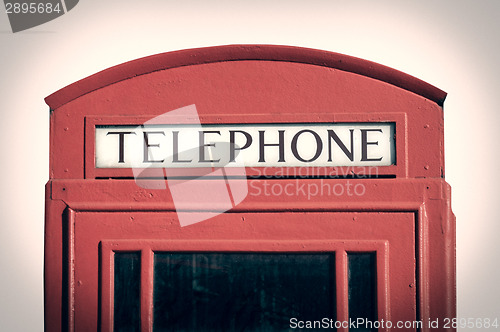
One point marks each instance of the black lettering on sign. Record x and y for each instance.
(147, 146)
(280, 145)
(333, 135)
(233, 148)
(175, 142)
(365, 143)
(202, 146)
(121, 143)
(319, 146)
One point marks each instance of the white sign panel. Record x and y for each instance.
(250, 145)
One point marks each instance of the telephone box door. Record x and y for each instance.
(243, 271)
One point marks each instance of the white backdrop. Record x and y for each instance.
(451, 44)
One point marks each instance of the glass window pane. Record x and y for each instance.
(127, 300)
(241, 291)
(362, 287)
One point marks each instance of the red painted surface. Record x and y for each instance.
(407, 217)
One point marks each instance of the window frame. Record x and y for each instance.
(339, 248)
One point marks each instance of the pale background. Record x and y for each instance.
(451, 44)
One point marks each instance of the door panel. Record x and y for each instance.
(364, 261)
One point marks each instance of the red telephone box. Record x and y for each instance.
(248, 188)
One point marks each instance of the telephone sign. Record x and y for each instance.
(343, 144)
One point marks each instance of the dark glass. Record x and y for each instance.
(362, 273)
(241, 291)
(127, 307)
